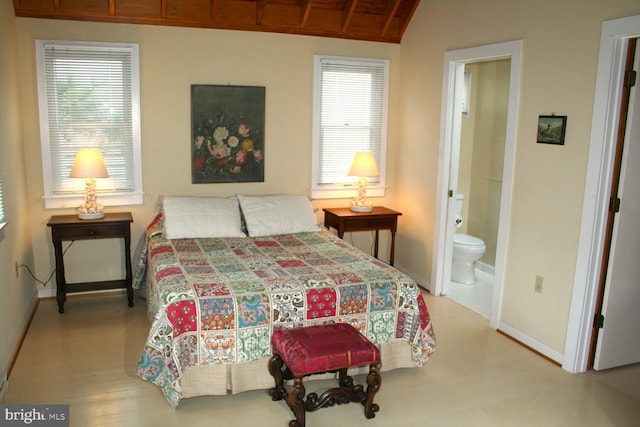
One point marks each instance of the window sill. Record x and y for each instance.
(73, 201)
(348, 192)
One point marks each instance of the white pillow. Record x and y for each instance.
(277, 214)
(194, 217)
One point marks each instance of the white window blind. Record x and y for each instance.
(89, 97)
(350, 113)
(3, 218)
(466, 94)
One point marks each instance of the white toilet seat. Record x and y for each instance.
(467, 241)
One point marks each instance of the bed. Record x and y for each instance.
(221, 274)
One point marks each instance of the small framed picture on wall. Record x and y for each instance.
(551, 129)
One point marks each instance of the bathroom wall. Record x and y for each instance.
(482, 152)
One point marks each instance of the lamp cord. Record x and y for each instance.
(373, 237)
(26, 267)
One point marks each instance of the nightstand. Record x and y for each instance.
(69, 227)
(345, 220)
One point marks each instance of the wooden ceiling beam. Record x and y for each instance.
(389, 14)
(260, 5)
(213, 14)
(305, 10)
(347, 14)
(163, 8)
(409, 10)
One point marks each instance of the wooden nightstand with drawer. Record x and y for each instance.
(344, 220)
(70, 228)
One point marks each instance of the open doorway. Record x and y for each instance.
(455, 63)
(480, 166)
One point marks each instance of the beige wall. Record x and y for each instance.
(558, 74)
(17, 295)
(172, 59)
(560, 48)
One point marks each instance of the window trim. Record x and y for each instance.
(347, 190)
(52, 200)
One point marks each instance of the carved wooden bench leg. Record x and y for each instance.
(295, 400)
(374, 381)
(275, 369)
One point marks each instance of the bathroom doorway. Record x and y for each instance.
(487, 210)
(480, 168)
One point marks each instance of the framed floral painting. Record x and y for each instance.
(227, 125)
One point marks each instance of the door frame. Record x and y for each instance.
(453, 69)
(598, 181)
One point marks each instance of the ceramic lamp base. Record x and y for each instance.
(96, 215)
(361, 208)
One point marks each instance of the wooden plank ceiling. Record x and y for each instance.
(373, 20)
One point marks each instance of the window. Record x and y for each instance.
(349, 115)
(89, 96)
(466, 94)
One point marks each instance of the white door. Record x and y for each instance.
(619, 339)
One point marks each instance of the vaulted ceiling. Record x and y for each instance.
(374, 20)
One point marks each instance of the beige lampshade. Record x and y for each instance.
(364, 164)
(89, 164)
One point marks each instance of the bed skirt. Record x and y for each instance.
(209, 380)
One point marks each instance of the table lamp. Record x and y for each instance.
(89, 165)
(363, 166)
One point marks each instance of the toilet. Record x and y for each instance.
(466, 251)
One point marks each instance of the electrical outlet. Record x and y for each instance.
(538, 285)
(17, 269)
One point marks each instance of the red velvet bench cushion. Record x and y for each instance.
(323, 348)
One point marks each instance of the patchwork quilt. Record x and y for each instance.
(218, 300)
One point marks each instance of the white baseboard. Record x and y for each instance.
(506, 329)
(46, 293)
(530, 342)
(51, 293)
(421, 281)
(485, 267)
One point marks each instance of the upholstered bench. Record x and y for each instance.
(318, 349)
